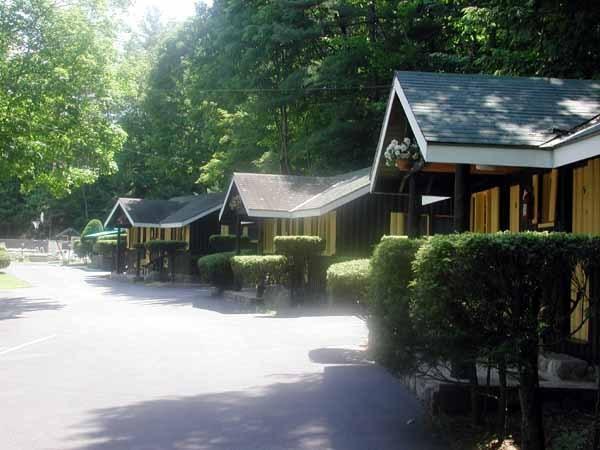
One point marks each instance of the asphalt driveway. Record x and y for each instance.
(89, 363)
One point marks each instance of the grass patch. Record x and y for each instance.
(9, 282)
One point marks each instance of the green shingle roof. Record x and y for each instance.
(174, 212)
(484, 109)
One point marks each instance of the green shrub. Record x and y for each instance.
(389, 297)
(349, 281)
(79, 249)
(216, 269)
(299, 245)
(166, 245)
(226, 243)
(4, 259)
(258, 270)
(93, 226)
(495, 298)
(87, 244)
(105, 247)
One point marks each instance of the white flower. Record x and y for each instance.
(406, 140)
(403, 147)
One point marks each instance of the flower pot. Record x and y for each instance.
(403, 165)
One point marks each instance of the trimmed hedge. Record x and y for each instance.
(389, 298)
(93, 226)
(299, 245)
(4, 259)
(258, 270)
(105, 247)
(349, 281)
(216, 269)
(166, 245)
(78, 248)
(226, 243)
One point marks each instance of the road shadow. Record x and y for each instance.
(345, 407)
(316, 310)
(196, 297)
(17, 307)
(339, 356)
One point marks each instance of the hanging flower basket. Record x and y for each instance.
(403, 164)
(402, 154)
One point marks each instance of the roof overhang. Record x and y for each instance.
(133, 223)
(295, 213)
(112, 213)
(554, 154)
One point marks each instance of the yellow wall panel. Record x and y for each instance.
(515, 210)
(586, 198)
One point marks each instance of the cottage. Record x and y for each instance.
(340, 209)
(513, 153)
(192, 219)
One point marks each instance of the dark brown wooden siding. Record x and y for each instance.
(362, 222)
(201, 230)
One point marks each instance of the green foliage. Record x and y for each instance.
(226, 243)
(4, 259)
(216, 269)
(56, 93)
(258, 270)
(268, 87)
(349, 281)
(78, 248)
(299, 246)
(92, 227)
(389, 299)
(497, 297)
(166, 245)
(105, 247)
(87, 244)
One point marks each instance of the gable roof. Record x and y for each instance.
(291, 196)
(172, 213)
(491, 120)
(495, 110)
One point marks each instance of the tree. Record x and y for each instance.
(56, 125)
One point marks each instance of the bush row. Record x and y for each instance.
(4, 259)
(468, 298)
(259, 270)
(349, 281)
(216, 269)
(165, 245)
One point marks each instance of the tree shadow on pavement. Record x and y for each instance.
(166, 295)
(16, 307)
(345, 407)
(339, 356)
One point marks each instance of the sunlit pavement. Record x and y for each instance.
(90, 363)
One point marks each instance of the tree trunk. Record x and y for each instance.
(502, 400)
(284, 162)
(532, 426)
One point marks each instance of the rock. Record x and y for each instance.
(563, 367)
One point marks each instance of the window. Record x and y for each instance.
(544, 198)
(224, 230)
(485, 211)
(580, 305)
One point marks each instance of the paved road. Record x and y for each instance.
(91, 364)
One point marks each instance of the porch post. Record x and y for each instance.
(237, 234)
(118, 269)
(413, 207)
(461, 203)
